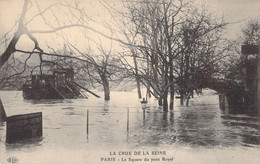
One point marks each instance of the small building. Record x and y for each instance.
(58, 85)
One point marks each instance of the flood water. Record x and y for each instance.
(200, 133)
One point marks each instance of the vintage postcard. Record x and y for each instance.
(129, 81)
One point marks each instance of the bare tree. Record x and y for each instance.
(152, 28)
(55, 18)
(199, 60)
(175, 41)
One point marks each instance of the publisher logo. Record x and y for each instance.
(12, 159)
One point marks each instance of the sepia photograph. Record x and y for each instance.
(129, 81)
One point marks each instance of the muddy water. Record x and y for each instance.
(199, 133)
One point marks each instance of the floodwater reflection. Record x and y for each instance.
(65, 122)
(197, 126)
(26, 145)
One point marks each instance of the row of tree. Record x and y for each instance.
(174, 47)
(167, 46)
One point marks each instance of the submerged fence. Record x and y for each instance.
(129, 119)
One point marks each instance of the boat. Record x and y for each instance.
(59, 84)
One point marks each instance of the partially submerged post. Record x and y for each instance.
(2, 112)
(144, 116)
(87, 122)
(127, 120)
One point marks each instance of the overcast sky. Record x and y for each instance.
(233, 10)
(236, 11)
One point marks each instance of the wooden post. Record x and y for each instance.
(127, 119)
(87, 122)
(143, 117)
(143, 114)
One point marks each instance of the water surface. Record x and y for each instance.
(198, 133)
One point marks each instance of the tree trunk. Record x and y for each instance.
(187, 101)
(136, 67)
(138, 85)
(107, 93)
(148, 91)
(171, 99)
(165, 102)
(11, 47)
(172, 86)
(155, 61)
(106, 89)
(181, 99)
(160, 101)
(168, 37)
